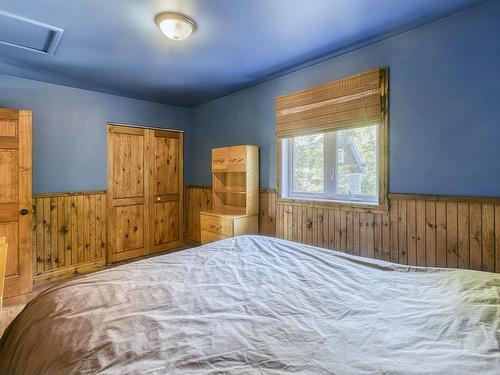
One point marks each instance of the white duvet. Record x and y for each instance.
(259, 305)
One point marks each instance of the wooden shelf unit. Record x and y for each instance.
(235, 193)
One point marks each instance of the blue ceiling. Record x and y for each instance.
(114, 46)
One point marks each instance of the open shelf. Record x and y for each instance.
(235, 179)
(235, 194)
(229, 191)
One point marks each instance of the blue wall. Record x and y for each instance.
(444, 107)
(444, 115)
(69, 130)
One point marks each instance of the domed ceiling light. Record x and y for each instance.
(175, 26)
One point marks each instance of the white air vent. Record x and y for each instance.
(30, 35)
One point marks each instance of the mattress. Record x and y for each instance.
(254, 305)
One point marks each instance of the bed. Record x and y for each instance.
(256, 304)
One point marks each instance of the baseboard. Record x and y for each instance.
(69, 272)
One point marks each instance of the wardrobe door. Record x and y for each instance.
(16, 199)
(128, 192)
(167, 182)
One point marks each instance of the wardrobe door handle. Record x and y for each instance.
(23, 212)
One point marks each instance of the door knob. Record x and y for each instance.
(24, 211)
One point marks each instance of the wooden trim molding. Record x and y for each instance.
(3, 264)
(69, 271)
(90, 192)
(337, 205)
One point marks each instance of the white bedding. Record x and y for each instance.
(261, 305)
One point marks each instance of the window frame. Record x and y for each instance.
(330, 171)
(290, 170)
(382, 206)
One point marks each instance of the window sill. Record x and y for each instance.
(338, 205)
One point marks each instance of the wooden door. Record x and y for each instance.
(167, 187)
(128, 192)
(145, 191)
(15, 199)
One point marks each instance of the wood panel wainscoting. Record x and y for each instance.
(199, 198)
(69, 234)
(69, 230)
(435, 231)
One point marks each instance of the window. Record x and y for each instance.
(332, 141)
(339, 165)
(307, 166)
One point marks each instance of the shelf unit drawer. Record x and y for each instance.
(207, 237)
(217, 225)
(219, 159)
(236, 158)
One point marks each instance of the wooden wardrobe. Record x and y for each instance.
(145, 191)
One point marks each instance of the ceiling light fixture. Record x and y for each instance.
(175, 26)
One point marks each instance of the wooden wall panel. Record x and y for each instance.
(442, 232)
(198, 199)
(69, 234)
(69, 230)
(457, 232)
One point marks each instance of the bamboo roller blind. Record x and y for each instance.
(349, 102)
